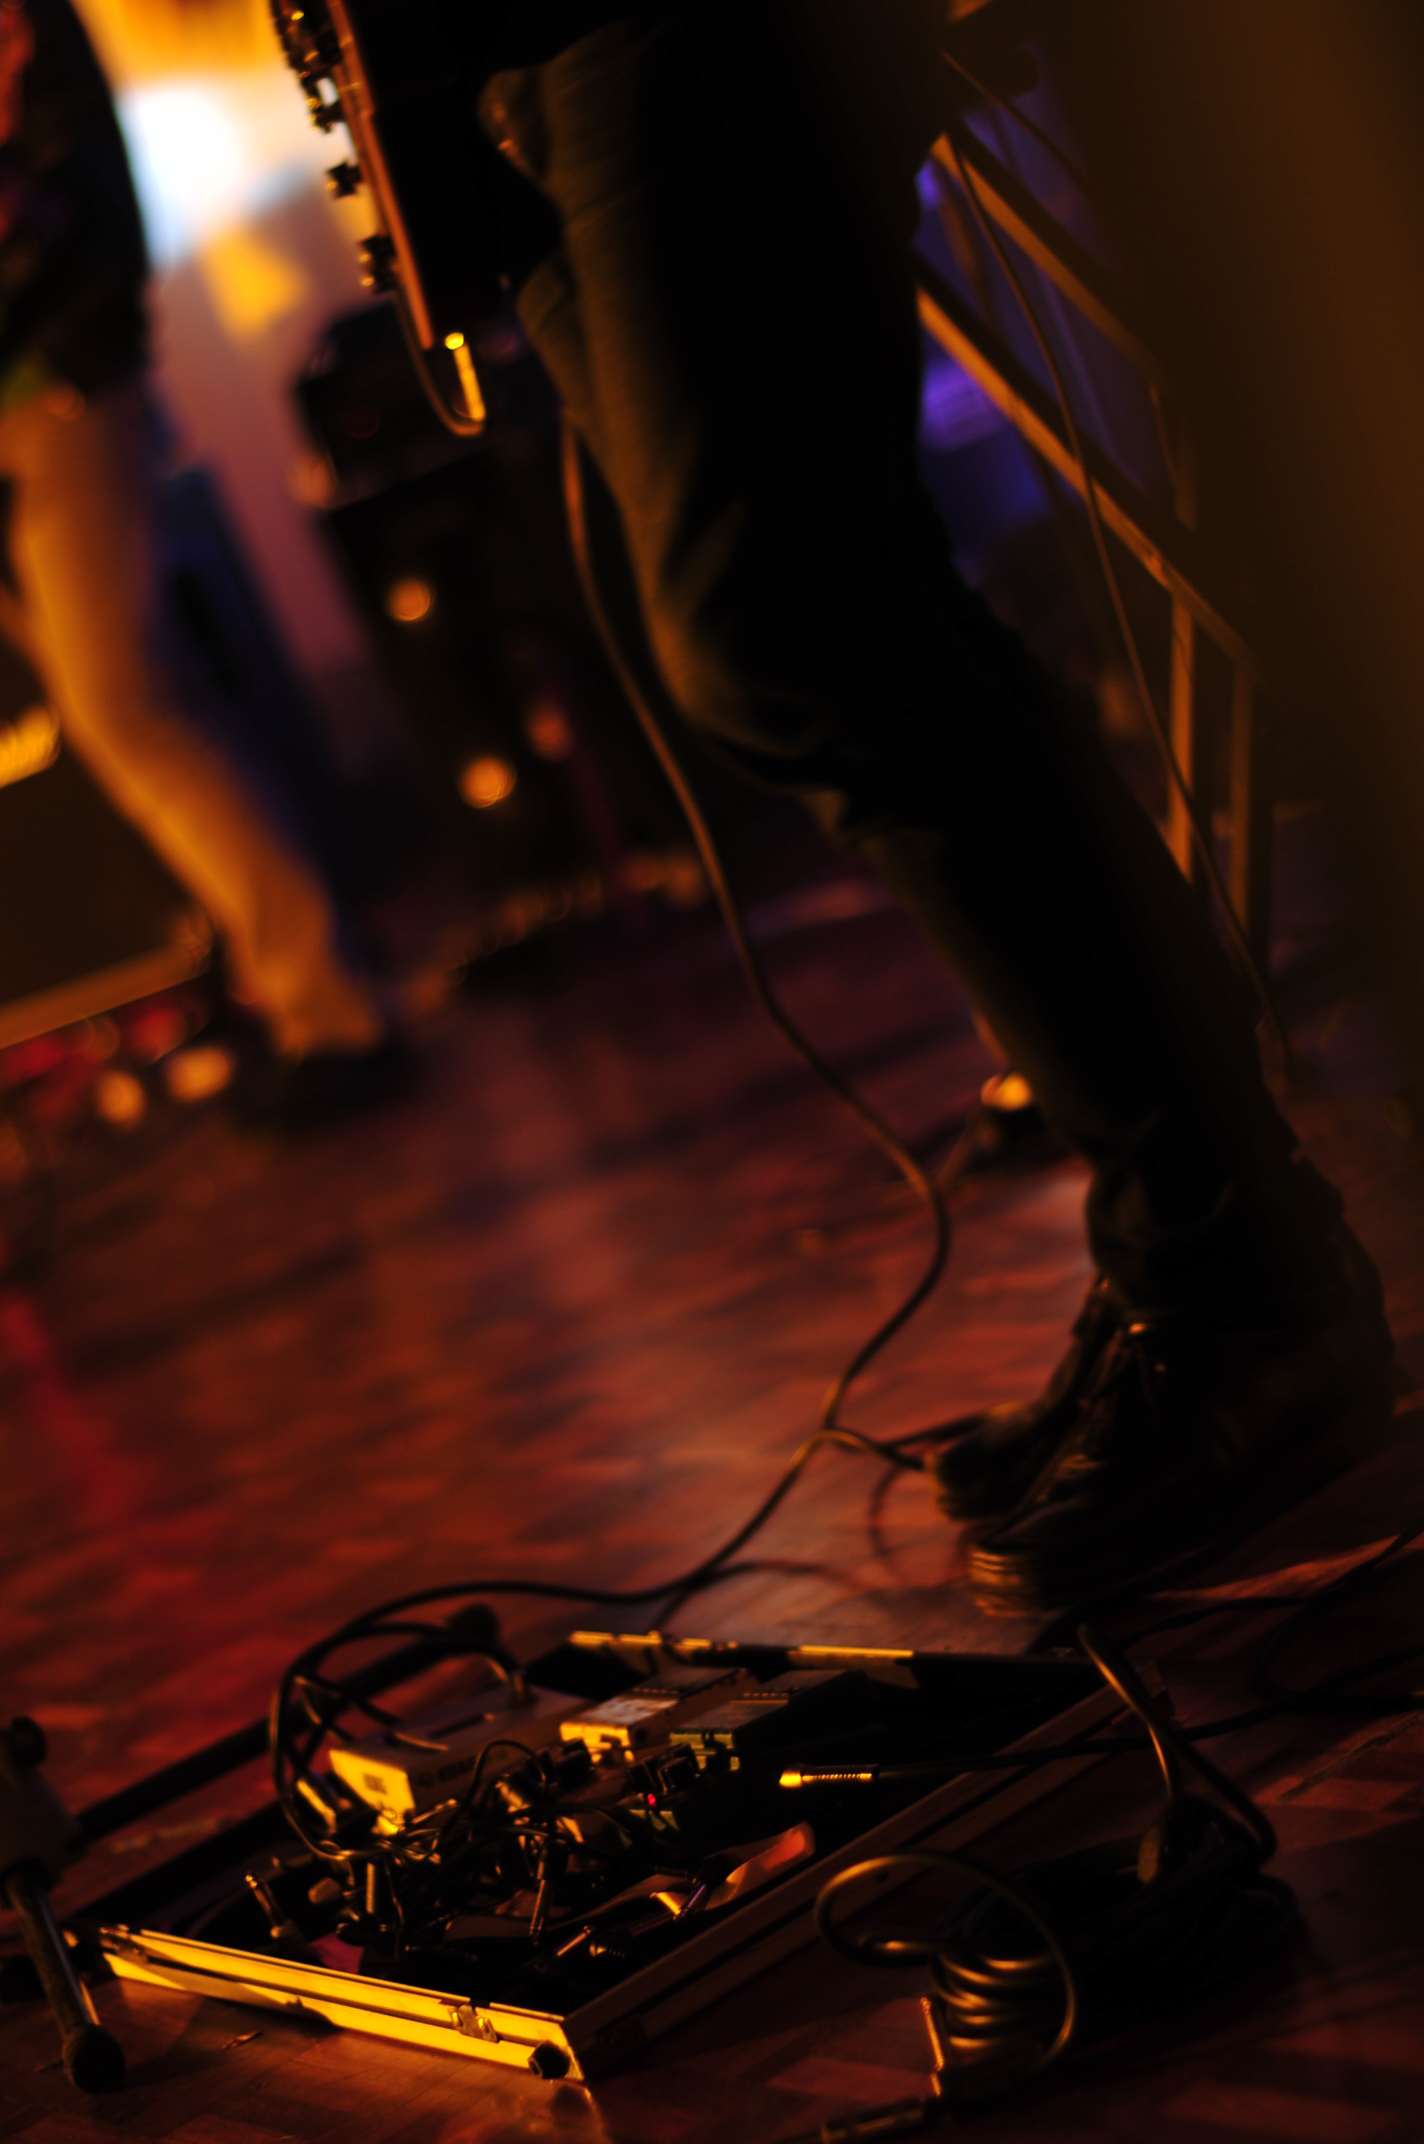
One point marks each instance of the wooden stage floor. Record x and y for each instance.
(564, 1313)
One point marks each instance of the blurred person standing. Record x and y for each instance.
(75, 450)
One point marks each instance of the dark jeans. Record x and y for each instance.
(729, 317)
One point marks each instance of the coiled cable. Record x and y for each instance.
(1090, 1942)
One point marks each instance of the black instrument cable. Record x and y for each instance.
(308, 1701)
(1026, 1965)
(304, 1695)
(1081, 1946)
(829, 1429)
(1072, 1949)
(1095, 1942)
(292, 1764)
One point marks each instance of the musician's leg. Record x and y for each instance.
(731, 320)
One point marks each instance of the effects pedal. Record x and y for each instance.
(432, 1760)
(651, 1711)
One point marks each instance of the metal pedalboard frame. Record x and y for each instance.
(742, 1942)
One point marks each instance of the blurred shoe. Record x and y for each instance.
(294, 1095)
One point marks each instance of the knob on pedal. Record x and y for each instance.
(343, 179)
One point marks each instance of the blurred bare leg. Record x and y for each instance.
(83, 555)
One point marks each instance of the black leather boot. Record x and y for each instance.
(1183, 1437)
(995, 1458)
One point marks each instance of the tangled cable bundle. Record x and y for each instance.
(501, 1832)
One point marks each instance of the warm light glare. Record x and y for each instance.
(214, 149)
(1007, 1090)
(548, 730)
(119, 1098)
(28, 745)
(252, 283)
(194, 1074)
(410, 600)
(487, 781)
